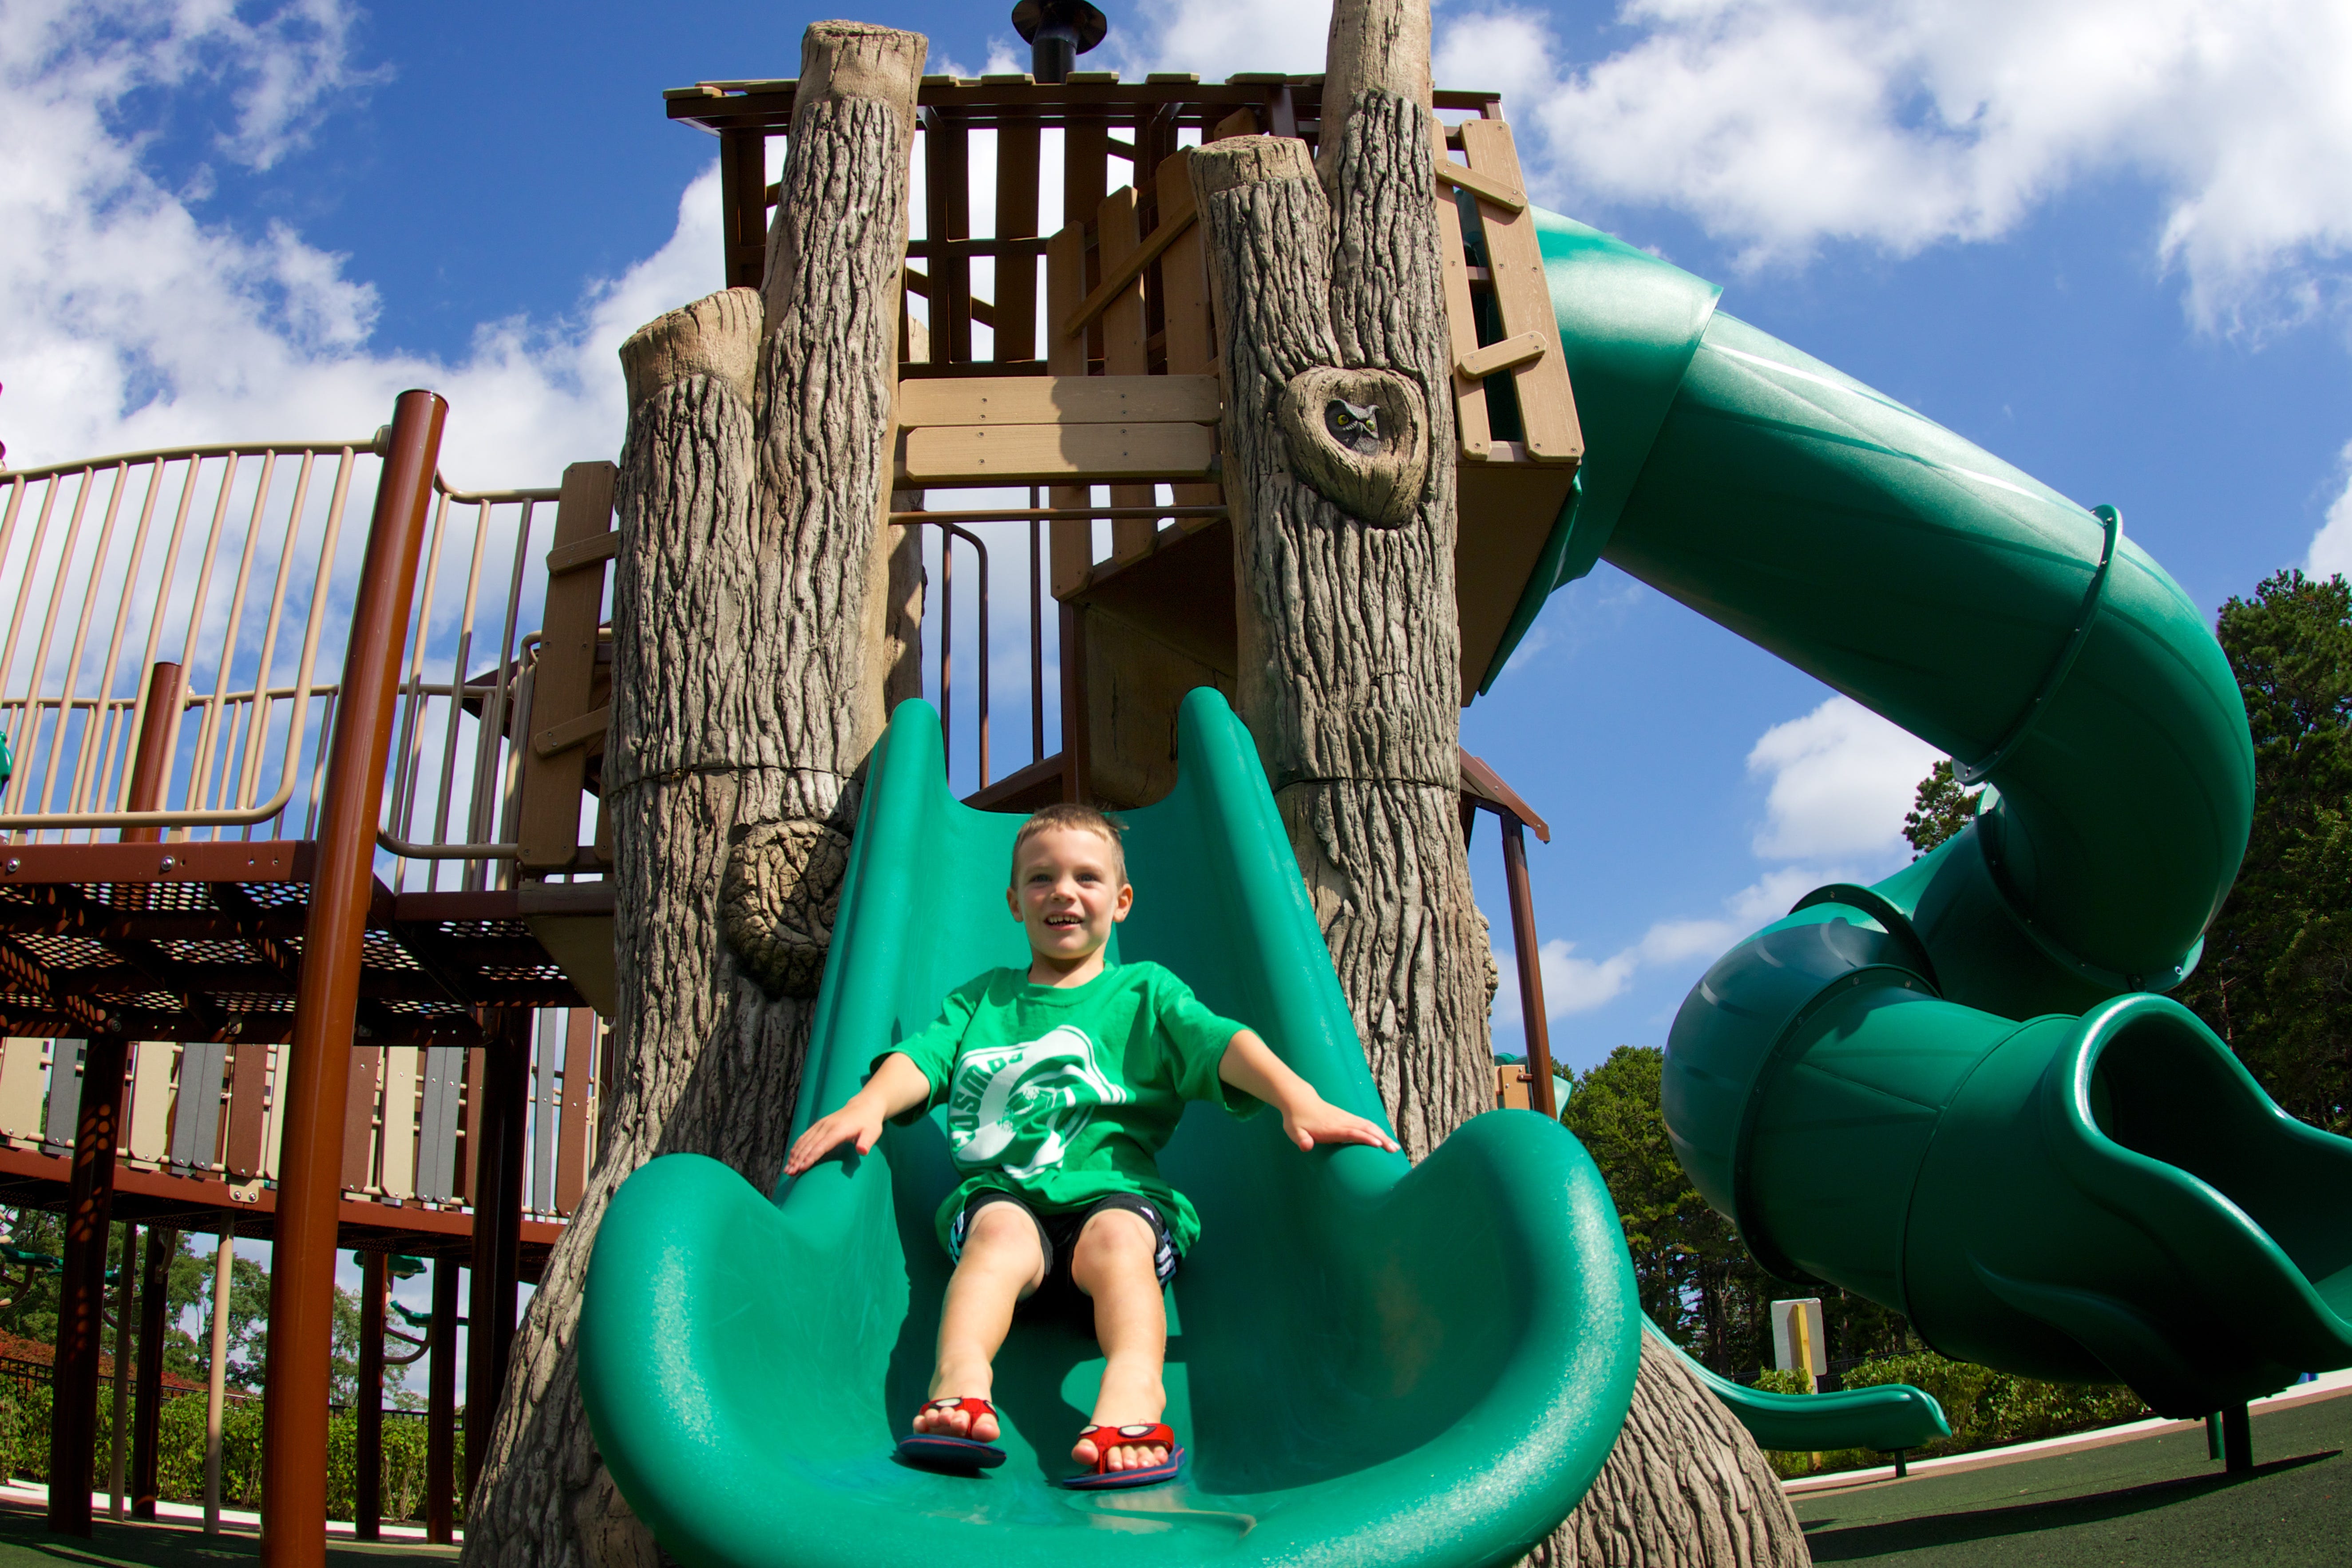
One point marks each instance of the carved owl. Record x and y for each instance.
(1353, 424)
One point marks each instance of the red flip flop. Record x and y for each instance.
(943, 1451)
(1145, 1433)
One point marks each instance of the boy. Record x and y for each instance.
(1062, 1082)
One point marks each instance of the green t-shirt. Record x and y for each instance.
(1065, 1095)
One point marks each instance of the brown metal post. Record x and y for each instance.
(98, 1125)
(367, 1481)
(154, 1285)
(317, 1074)
(498, 1228)
(82, 1292)
(1523, 939)
(1078, 742)
(441, 1409)
(151, 767)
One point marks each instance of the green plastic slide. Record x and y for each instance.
(1887, 1416)
(1955, 1092)
(1368, 1363)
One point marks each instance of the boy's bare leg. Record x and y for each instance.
(1115, 1263)
(1002, 1263)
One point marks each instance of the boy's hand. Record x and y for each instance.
(898, 1085)
(854, 1122)
(1320, 1121)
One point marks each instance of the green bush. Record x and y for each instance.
(180, 1453)
(1986, 1409)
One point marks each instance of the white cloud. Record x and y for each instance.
(1218, 38)
(126, 321)
(1842, 778)
(2331, 547)
(1781, 124)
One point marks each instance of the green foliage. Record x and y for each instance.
(2277, 976)
(1940, 808)
(1694, 1274)
(180, 1452)
(1772, 1380)
(1987, 1409)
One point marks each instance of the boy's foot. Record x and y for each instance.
(1139, 1454)
(1123, 1456)
(951, 1416)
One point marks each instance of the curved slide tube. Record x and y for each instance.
(1890, 1416)
(1954, 1092)
(1370, 1364)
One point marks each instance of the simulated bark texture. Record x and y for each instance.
(752, 613)
(1348, 650)
(1684, 1488)
(1350, 647)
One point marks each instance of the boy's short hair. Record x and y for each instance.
(1070, 813)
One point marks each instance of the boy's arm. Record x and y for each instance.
(898, 1085)
(1251, 1066)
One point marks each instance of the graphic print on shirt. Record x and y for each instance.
(1017, 1107)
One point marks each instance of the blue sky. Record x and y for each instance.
(2106, 241)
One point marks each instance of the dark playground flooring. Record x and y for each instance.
(2153, 1501)
(25, 1543)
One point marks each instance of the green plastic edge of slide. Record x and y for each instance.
(1505, 1482)
(1888, 1416)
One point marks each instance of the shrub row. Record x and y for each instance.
(1987, 1409)
(180, 1453)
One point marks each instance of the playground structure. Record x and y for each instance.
(312, 1033)
(1819, 1081)
(167, 683)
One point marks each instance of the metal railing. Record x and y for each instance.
(235, 562)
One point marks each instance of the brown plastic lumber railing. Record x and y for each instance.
(302, 1262)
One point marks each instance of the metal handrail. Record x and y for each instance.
(191, 565)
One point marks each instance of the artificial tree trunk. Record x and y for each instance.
(1340, 448)
(751, 631)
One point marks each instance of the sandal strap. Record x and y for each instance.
(1135, 1435)
(970, 1406)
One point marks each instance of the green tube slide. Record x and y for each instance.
(1957, 1092)
(1370, 1364)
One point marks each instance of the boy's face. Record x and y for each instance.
(1068, 893)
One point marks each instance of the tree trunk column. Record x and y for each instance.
(751, 619)
(1344, 535)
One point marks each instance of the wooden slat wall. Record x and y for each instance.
(572, 1156)
(1190, 345)
(359, 1119)
(1523, 298)
(248, 1088)
(1066, 284)
(197, 1105)
(64, 1093)
(947, 215)
(547, 1051)
(1119, 235)
(24, 1081)
(397, 1135)
(563, 683)
(436, 1140)
(1016, 289)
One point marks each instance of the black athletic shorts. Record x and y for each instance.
(1058, 1234)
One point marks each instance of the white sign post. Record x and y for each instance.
(1799, 1341)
